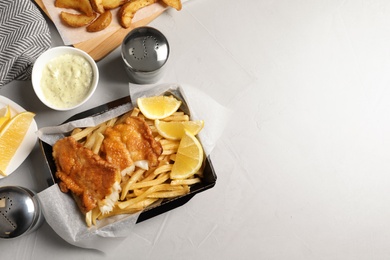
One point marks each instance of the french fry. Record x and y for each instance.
(92, 137)
(112, 4)
(95, 215)
(128, 10)
(102, 22)
(76, 20)
(170, 145)
(112, 121)
(130, 210)
(169, 194)
(83, 6)
(88, 218)
(98, 143)
(136, 193)
(122, 118)
(173, 3)
(149, 175)
(186, 181)
(133, 179)
(176, 118)
(135, 112)
(169, 152)
(161, 179)
(163, 168)
(97, 6)
(83, 133)
(131, 202)
(76, 130)
(90, 140)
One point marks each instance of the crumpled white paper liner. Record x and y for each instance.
(61, 211)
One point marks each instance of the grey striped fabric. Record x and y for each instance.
(24, 35)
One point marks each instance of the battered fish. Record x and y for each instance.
(129, 142)
(92, 180)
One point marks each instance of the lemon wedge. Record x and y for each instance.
(189, 157)
(174, 130)
(5, 115)
(11, 136)
(158, 107)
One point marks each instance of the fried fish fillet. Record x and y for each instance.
(129, 142)
(92, 180)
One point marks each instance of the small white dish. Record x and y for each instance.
(28, 142)
(49, 55)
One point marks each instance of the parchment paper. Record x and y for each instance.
(76, 35)
(60, 210)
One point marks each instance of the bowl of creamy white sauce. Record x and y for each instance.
(64, 77)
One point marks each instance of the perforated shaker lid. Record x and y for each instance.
(18, 211)
(145, 49)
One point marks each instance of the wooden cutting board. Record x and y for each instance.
(101, 46)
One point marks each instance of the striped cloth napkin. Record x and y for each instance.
(24, 35)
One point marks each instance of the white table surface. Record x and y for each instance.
(304, 164)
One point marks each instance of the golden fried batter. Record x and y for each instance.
(129, 142)
(89, 177)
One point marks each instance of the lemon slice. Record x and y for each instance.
(11, 136)
(175, 130)
(189, 157)
(5, 115)
(5, 111)
(158, 107)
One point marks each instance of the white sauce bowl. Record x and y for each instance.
(48, 56)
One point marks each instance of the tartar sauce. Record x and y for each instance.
(66, 80)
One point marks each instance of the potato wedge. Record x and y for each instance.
(97, 6)
(102, 22)
(83, 6)
(76, 20)
(127, 11)
(112, 4)
(173, 3)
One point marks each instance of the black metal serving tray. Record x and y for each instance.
(208, 181)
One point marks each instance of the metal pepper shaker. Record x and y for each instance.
(20, 212)
(145, 50)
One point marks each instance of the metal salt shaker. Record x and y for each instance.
(20, 212)
(145, 50)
